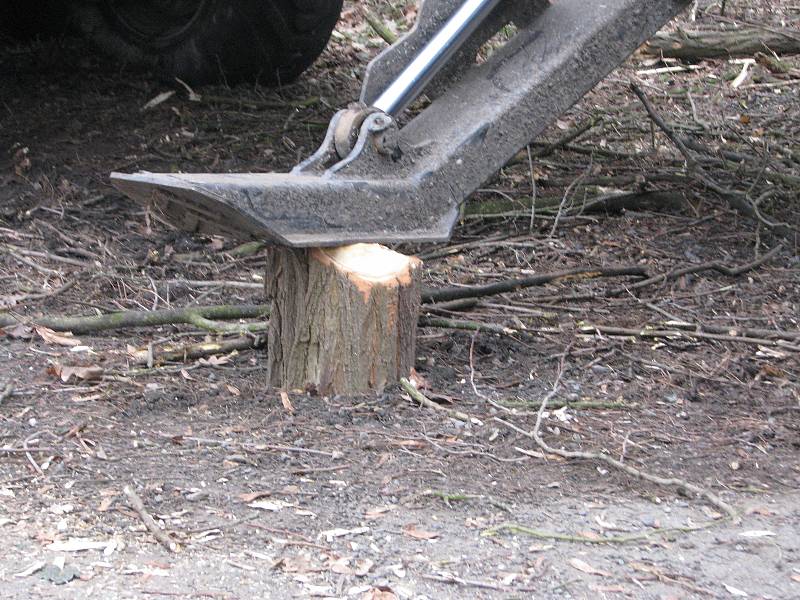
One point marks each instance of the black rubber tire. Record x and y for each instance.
(26, 20)
(212, 41)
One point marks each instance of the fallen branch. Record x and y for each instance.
(573, 404)
(585, 539)
(136, 504)
(696, 45)
(451, 307)
(380, 28)
(198, 316)
(609, 203)
(465, 325)
(486, 585)
(206, 317)
(514, 285)
(713, 265)
(200, 350)
(777, 334)
(673, 482)
(676, 333)
(425, 401)
(250, 447)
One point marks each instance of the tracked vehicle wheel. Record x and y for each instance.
(212, 41)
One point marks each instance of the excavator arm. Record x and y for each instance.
(375, 181)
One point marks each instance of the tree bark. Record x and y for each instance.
(343, 320)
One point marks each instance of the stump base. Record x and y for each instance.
(343, 320)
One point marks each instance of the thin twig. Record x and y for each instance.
(676, 333)
(669, 276)
(152, 356)
(133, 318)
(425, 401)
(585, 539)
(136, 504)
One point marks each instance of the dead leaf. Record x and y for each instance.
(735, 591)
(409, 443)
(363, 566)
(253, 496)
(611, 589)
(760, 510)
(418, 381)
(214, 360)
(37, 566)
(18, 332)
(233, 389)
(795, 578)
(295, 564)
(587, 533)
(379, 594)
(287, 404)
(270, 505)
(645, 568)
(603, 523)
(771, 371)
(67, 374)
(51, 337)
(584, 567)
(330, 534)
(418, 534)
(377, 512)
(341, 566)
(106, 503)
(711, 513)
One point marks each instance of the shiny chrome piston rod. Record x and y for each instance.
(434, 55)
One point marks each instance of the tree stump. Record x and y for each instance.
(343, 320)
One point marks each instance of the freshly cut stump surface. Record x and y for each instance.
(343, 320)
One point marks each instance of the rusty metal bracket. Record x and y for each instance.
(407, 184)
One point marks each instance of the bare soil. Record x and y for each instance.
(374, 497)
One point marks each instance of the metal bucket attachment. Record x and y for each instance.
(372, 181)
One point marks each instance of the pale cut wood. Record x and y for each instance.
(343, 320)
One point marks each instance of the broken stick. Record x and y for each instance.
(136, 504)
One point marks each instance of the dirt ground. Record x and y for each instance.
(374, 497)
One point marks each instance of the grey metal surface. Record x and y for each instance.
(440, 48)
(433, 14)
(469, 131)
